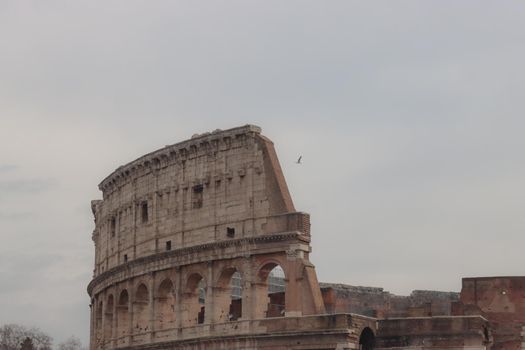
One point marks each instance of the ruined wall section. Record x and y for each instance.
(210, 188)
(376, 302)
(442, 332)
(502, 301)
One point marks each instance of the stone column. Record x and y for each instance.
(248, 296)
(178, 297)
(117, 234)
(92, 326)
(293, 296)
(154, 212)
(221, 304)
(102, 320)
(131, 297)
(259, 292)
(114, 333)
(151, 289)
(209, 302)
(134, 226)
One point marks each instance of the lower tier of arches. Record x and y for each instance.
(159, 304)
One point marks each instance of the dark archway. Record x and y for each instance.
(367, 339)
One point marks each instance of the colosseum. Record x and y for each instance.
(198, 246)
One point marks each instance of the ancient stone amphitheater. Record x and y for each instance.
(198, 246)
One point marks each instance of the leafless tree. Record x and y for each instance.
(27, 344)
(13, 335)
(72, 343)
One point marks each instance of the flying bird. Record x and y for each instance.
(299, 160)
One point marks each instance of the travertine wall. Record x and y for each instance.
(173, 228)
(189, 194)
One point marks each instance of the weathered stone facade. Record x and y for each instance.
(375, 302)
(180, 228)
(502, 301)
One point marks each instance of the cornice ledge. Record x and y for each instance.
(154, 157)
(284, 236)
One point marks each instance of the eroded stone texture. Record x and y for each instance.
(173, 228)
(188, 240)
(502, 301)
(376, 302)
(433, 333)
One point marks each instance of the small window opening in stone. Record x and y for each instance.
(144, 212)
(197, 196)
(113, 226)
(200, 316)
(168, 245)
(125, 257)
(230, 232)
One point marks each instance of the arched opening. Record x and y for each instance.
(123, 314)
(165, 306)
(236, 297)
(367, 339)
(108, 322)
(141, 310)
(271, 291)
(228, 296)
(194, 301)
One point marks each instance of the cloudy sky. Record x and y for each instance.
(409, 116)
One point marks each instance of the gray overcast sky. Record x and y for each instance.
(408, 114)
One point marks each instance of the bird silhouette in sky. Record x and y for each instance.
(299, 160)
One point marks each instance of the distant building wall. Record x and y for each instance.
(434, 333)
(378, 303)
(502, 301)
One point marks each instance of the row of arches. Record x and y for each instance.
(141, 309)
